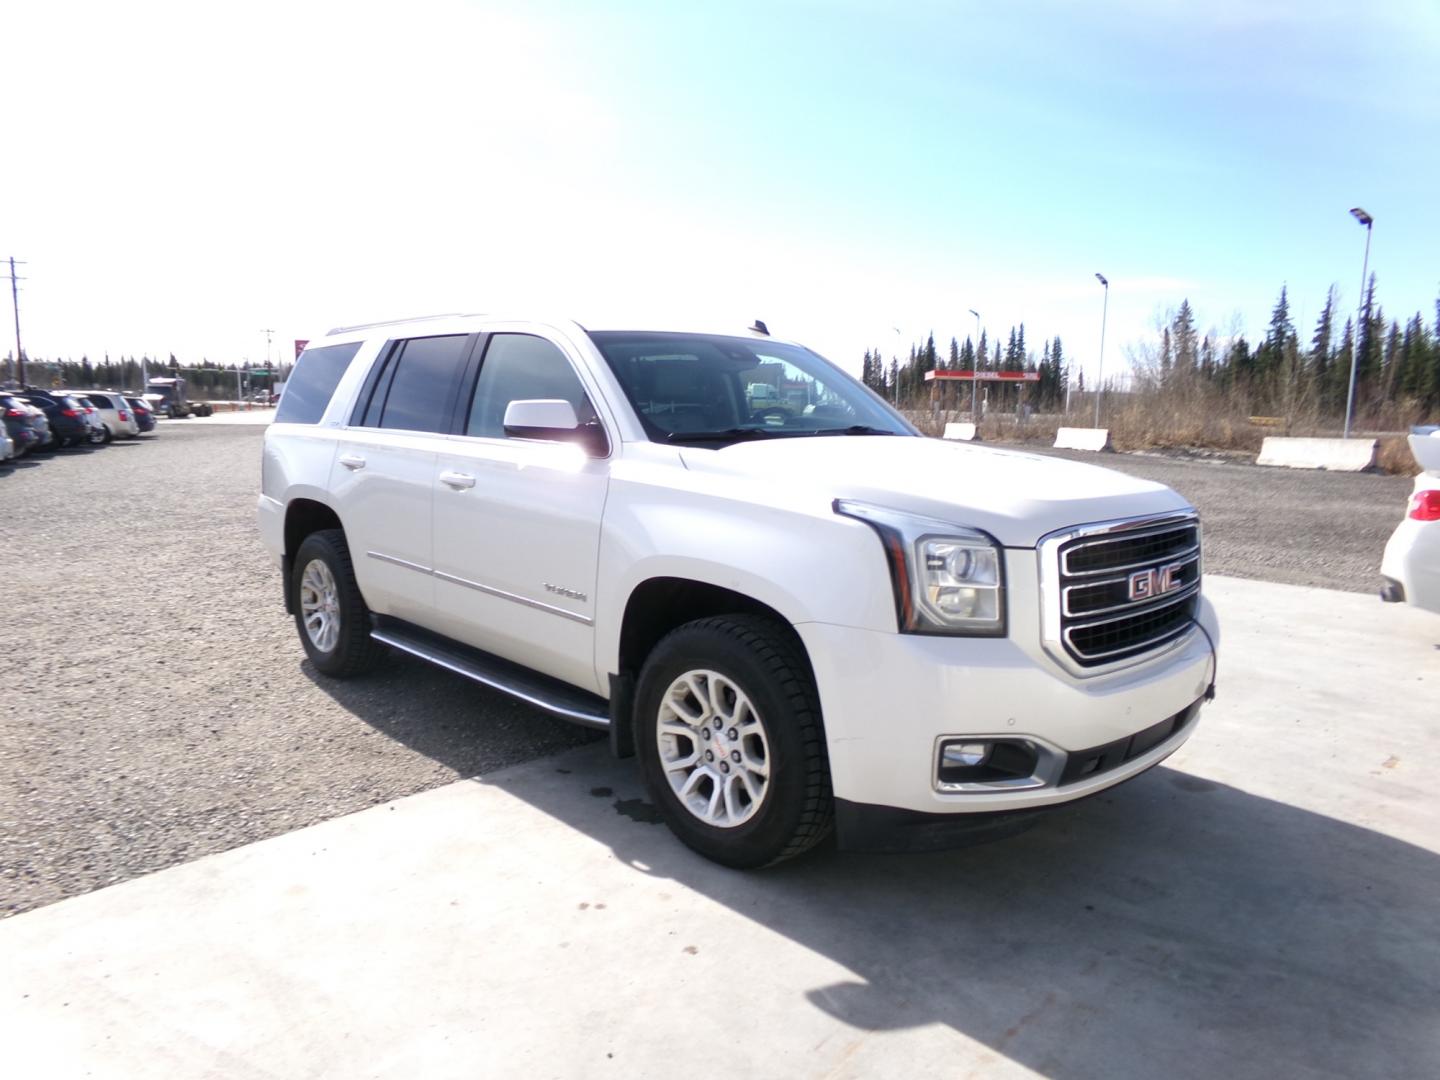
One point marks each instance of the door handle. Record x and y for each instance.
(457, 480)
(352, 461)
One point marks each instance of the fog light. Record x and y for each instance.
(965, 754)
(970, 762)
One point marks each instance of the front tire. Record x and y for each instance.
(730, 740)
(330, 614)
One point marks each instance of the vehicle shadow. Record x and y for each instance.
(1172, 926)
(463, 726)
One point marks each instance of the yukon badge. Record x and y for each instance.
(1148, 584)
(560, 590)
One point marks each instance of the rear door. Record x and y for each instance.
(517, 521)
(384, 468)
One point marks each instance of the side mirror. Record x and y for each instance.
(553, 421)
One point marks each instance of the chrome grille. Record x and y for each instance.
(1129, 590)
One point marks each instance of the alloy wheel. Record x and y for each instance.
(320, 605)
(713, 748)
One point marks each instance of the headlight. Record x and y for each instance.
(947, 579)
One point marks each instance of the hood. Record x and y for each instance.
(1015, 497)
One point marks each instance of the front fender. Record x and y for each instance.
(808, 566)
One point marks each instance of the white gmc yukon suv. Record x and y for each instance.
(796, 612)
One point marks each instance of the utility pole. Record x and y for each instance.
(15, 302)
(268, 366)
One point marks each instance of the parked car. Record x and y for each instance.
(7, 447)
(144, 418)
(70, 424)
(98, 432)
(1411, 566)
(114, 414)
(24, 424)
(825, 622)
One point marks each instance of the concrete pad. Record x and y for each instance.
(965, 432)
(1262, 905)
(1081, 438)
(1333, 455)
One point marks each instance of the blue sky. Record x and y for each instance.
(838, 169)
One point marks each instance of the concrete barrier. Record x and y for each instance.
(1082, 438)
(1332, 455)
(964, 432)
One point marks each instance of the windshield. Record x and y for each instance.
(712, 389)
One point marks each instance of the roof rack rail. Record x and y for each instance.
(397, 322)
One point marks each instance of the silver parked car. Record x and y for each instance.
(116, 414)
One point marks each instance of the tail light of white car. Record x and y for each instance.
(1425, 505)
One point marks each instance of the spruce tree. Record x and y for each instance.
(1270, 355)
(1184, 339)
(1062, 376)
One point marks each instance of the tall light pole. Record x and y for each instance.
(1364, 219)
(1100, 367)
(975, 361)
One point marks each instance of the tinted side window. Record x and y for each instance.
(422, 389)
(307, 391)
(518, 367)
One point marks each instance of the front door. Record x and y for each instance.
(517, 522)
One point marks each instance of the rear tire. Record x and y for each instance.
(731, 743)
(330, 614)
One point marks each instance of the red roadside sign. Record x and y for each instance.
(300, 344)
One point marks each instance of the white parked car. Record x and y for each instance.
(115, 413)
(7, 445)
(1411, 566)
(796, 622)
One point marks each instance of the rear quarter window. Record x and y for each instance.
(311, 384)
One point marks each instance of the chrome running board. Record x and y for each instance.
(531, 687)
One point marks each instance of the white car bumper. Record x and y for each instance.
(1412, 560)
(889, 700)
(270, 516)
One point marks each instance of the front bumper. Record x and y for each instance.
(889, 699)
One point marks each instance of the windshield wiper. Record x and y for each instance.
(728, 435)
(854, 429)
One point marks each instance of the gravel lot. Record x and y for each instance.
(159, 710)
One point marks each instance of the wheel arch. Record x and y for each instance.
(302, 517)
(657, 606)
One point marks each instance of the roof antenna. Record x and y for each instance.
(761, 328)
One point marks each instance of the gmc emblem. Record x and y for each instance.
(1148, 584)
